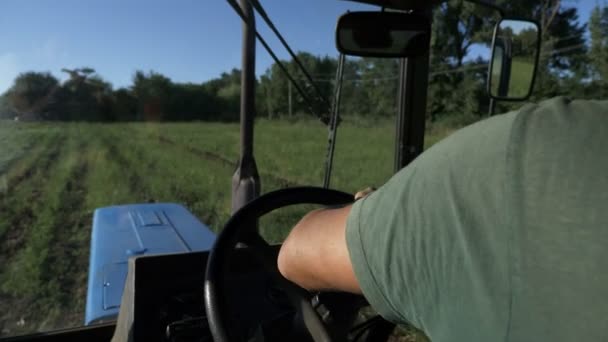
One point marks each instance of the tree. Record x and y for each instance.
(32, 95)
(567, 39)
(6, 110)
(598, 54)
(457, 25)
(277, 90)
(152, 93)
(355, 97)
(456, 82)
(379, 82)
(226, 90)
(85, 96)
(124, 106)
(274, 83)
(264, 98)
(193, 102)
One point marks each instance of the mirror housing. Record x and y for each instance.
(514, 59)
(383, 34)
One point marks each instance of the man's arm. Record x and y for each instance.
(315, 255)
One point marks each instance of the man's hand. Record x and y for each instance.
(315, 255)
(363, 193)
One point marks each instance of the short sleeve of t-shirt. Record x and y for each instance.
(419, 252)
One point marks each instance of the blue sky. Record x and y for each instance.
(186, 40)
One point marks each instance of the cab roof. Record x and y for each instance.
(401, 4)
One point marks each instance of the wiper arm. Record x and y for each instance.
(309, 102)
(258, 6)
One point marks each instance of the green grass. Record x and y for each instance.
(522, 71)
(521, 77)
(53, 176)
(16, 140)
(296, 151)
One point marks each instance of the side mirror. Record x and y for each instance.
(383, 34)
(515, 53)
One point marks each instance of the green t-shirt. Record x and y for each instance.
(497, 233)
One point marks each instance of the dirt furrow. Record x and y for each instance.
(211, 156)
(41, 161)
(67, 261)
(30, 147)
(134, 181)
(20, 214)
(142, 161)
(19, 219)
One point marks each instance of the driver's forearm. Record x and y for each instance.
(315, 255)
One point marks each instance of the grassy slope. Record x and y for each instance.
(53, 176)
(521, 78)
(296, 151)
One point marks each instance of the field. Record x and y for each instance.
(52, 177)
(522, 71)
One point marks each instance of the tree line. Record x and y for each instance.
(570, 64)
(86, 96)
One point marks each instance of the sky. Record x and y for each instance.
(186, 40)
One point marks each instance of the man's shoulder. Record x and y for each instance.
(556, 190)
(551, 117)
(561, 118)
(564, 106)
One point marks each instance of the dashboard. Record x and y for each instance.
(163, 298)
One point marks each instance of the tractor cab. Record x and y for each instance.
(157, 273)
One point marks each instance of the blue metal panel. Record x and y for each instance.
(120, 232)
(114, 276)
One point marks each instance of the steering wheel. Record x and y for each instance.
(242, 228)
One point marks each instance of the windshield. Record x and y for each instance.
(108, 103)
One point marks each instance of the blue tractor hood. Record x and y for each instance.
(120, 232)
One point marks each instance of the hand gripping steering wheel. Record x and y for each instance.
(241, 227)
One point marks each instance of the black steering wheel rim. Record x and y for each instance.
(214, 289)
